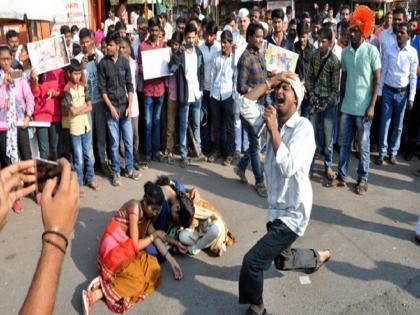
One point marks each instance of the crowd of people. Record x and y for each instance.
(355, 88)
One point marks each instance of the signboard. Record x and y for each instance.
(279, 4)
(279, 59)
(72, 12)
(155, 63)
(48, 54)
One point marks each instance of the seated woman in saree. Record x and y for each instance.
(127, 273)
(177, 211)
(208, 228)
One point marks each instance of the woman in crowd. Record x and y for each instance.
(16, 109)
(127, 273)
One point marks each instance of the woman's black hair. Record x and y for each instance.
(128, 43)
(177, 37)
(186, 206)
(153, 194)
(186, 209)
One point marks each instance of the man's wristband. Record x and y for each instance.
(55, 233)
(45, 240)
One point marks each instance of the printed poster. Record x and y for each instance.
(279, 59)
(48, 54)
(156, 63)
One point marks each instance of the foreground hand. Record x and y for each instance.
(279, 77)
(51, 93)
(26, 121)
(128, 112)
(176, 269)
(12, 178)
(270, 117)
(60, 210)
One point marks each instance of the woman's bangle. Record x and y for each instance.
(55, 233)
(54, 244)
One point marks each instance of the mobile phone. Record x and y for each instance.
(46, 170)
(92, 58)
(16, 74)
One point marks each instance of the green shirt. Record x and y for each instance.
(359, 65)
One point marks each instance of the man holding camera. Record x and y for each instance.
(323, 88)
(290, 147)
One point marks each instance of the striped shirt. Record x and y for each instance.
(252, 70)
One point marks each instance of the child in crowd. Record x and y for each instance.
(172, 106)
(77, 103)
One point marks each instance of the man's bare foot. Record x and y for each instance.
(256, 310)
(324, 255)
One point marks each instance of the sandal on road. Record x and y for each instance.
(336, 182)
(250, 311)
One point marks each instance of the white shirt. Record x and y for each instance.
(134, 69)
(168, 31)
(191, 61)
(386, 39)
(222, 77)
(208, 57)
(109, 22)
(133, 19)
(337, 50)
(399, 68)
(287, 170)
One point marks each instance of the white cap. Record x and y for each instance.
(243, 13)
(298, 88)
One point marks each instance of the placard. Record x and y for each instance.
(156, 63)
(279, 59)
(48, 54)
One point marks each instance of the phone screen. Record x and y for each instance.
(92, 57)
(46, 170)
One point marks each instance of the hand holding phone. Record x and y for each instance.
(46, 170)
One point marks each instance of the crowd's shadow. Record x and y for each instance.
(338, 217)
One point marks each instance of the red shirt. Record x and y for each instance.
(152, 87)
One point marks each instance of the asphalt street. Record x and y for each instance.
(375, 268)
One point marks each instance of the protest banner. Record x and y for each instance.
(279, 59)
(48, 54)
(155, 63)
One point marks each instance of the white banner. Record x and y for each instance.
(72, 12)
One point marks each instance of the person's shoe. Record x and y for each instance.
(158, 157)
(379, 160)
(105, 171)
(213, 157)
(192, 250)
(134, 175)
(200, 158)
(93, 185)
(170, 159)
(236, 156)
(361, 187)
(392, 159)
(136, 166)
(330, 174)
(261, 190)
(227, 161)
(241, 174)
(17, 206)
(336, 182)
(115, 179)
(324, 257)
(184, 162)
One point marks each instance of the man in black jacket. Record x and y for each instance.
(188, 66)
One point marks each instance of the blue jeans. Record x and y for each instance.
(348, 125)
(393, 107)
(184, 110)
(324, 123)
(122, 125)
(152, 114)
(252, 154)
(83, 156)
(48, 140)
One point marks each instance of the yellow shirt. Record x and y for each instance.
(76, 96)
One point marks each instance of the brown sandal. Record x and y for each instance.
(336, 182)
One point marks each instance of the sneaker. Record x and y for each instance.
(158, 157)
(380, 160)
(137, 166)
(184, 162)
(213, 157)
(134, 175)
(361, 187)
(236, 156)
(115, 180)
(200, 158)
(227, 161)
(261, 190)
(392, 159)
(241, 174)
